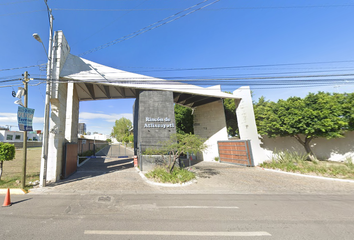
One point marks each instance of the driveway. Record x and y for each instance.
(108, 175)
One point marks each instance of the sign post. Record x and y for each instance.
(25, 119)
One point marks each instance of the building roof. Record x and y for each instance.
(96, 81)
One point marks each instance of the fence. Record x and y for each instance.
(90, 147)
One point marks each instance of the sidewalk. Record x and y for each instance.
(118, 176)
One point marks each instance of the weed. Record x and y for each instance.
(349, 163)
(294, 162)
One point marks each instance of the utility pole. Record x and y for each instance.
(44, 158)
(25, 82)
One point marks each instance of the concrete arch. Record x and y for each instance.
(75, 79)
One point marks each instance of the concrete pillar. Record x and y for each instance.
(72, 114)
(247, 124)
(58, 102)
(155, 118)
(210, 123)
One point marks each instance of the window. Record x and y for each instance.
(9, 137)
(18, 137)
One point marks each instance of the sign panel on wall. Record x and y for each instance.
(25, 118)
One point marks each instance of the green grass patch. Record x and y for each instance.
(13, 169)
(14, 181)
(178, 175)
(297, 163)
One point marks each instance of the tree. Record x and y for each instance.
(178, 144)
(125, 140)
(184, 119)
(317, 115)
(230, 115)
(131, 138)
(7, 153)
(347, 103)
(121, 128)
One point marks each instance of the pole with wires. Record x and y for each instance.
(23, 180)
(44, 158)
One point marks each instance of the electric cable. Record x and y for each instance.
(146, 29)
(210, 9)
(106, 25)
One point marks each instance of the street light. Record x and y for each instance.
(38, 38)
(44, 157)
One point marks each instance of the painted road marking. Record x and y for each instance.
(197, 207)
(179, 233)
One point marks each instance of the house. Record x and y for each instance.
(17, 136)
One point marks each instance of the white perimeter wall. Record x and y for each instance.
(337, 149)
(210, 123)
(247, 124)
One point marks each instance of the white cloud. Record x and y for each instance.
(11, 118)
(8, 118)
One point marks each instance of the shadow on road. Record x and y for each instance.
(98, 166)
(13, 203)
(106, 161)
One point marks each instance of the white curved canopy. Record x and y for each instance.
(96, 81)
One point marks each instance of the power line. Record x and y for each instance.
(107, 25)
(158, 69)
(213, 81)
(247, 66)
(16, 68)
(274, 84)
(149, 28)
(211, 9)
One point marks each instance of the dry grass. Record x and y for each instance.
(12, 170)
(293, 162)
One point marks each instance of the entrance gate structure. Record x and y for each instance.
(76, 79)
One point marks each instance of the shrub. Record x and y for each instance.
(7, 153)
(178, 175)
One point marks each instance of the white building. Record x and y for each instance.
(17, 136)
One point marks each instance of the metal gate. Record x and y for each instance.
(236, 152)
(70, 162)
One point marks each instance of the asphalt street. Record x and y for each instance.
(108, 199)
(178, 216)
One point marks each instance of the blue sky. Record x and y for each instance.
(253, 41)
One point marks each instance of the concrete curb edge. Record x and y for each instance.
(13, 191)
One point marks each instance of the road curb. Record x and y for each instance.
(308, 176)
(13, 191)
(164, 184)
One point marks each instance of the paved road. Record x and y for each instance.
(116, 150)
(178, 216)
(118, 176)
(107, 199)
